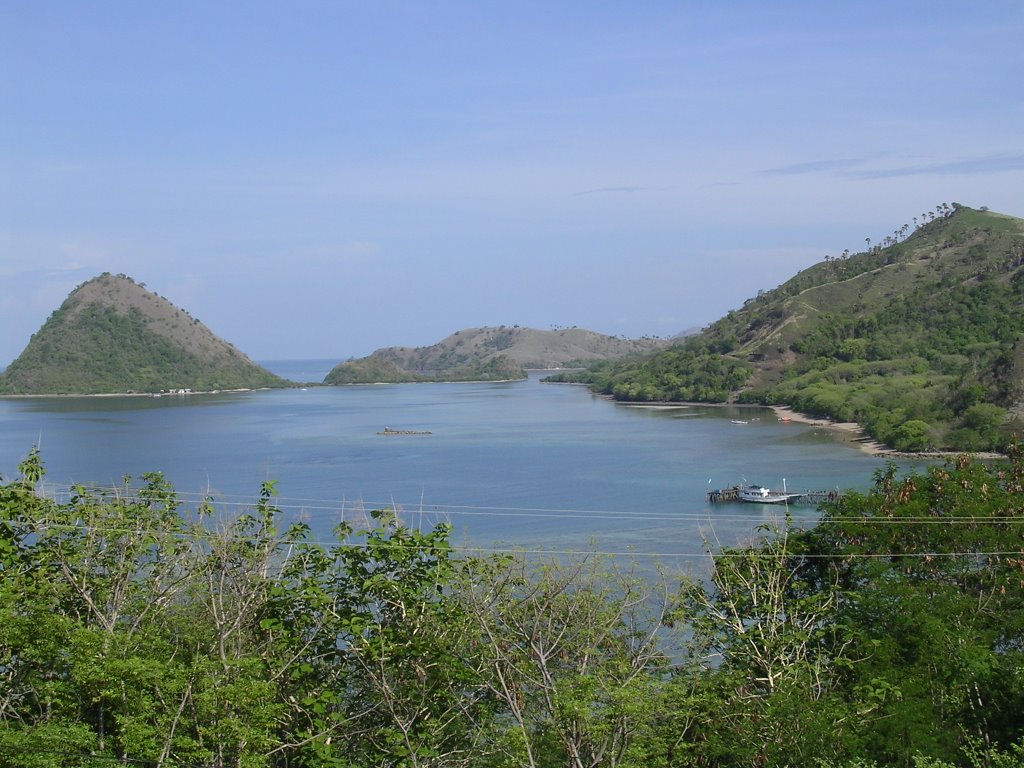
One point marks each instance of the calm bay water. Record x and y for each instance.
(525, 464)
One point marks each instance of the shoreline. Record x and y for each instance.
(854, 433)
(142, 394)
(850, 430)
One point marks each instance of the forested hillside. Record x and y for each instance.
(111, 335)
(917, 338)
(137, 631)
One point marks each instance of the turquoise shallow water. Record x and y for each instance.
(524, 464)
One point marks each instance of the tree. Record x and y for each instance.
(573, 653)
(110, 641)
(775, 654)
(931, 567)
(131, 633)
(414, 697)
(912, 435)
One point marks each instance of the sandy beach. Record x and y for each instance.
(850, 431)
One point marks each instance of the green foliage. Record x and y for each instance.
(917, 331)
(911, 435)
(780, 658)
(137, 631)
(949, 337)
(977, 756)
(130, 633)
(690, 371)
(374, 369)
(576, 655)
(931, 567)
(368, 370)
(99, 349)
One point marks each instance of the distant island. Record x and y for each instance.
(112, 336)
(489, 354)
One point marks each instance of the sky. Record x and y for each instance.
(322, 178)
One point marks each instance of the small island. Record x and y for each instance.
(502, 353)
(112, 336)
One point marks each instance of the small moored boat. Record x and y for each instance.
(758, 494)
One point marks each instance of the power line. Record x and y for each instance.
(308, 506)
(357, 506)
(439, 513)
(278, 542)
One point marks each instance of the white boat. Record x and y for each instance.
(758, 494)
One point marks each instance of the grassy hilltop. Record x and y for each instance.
(917, 338)
(111, 335)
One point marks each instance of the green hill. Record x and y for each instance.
(111, 335)
(488, 354)
(918, 339)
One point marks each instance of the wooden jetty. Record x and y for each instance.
(801, 497)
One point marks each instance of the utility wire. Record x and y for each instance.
(310, 506)
(281, 542)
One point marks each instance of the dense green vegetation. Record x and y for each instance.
(918, 339)
(368, 370)
(108, 351)
(941, 355)
(690, 371)
(138, 631)
(376, 369)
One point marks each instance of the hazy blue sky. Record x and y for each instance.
(320, 179)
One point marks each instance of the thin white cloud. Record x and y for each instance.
(853, 168)
(612, 190)
(814, 166)
(971, 166)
